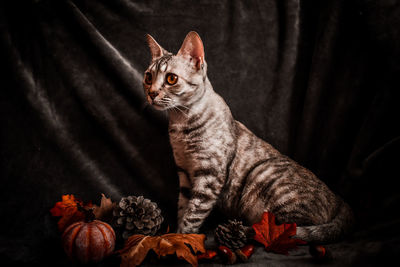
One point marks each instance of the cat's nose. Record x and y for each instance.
(153, 94)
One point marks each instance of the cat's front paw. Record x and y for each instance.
(186, 230)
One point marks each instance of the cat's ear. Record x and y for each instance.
(155, 49)
(193, 48)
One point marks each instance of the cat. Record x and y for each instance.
(222, 163)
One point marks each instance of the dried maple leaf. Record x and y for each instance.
(104, 212)
(137, 247)
(67, 209)
(276, 238)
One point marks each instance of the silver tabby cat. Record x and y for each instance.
(221, 163)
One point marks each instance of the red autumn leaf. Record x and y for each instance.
(67, 209)
(276, 238)
(208, 255)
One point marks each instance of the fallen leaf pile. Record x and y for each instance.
(276, 238)
(190, 247)
(137, 247)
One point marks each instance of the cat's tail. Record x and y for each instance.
(329, 232)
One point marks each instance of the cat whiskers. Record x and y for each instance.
(183, 106)
(178, 107)
(182, 111)
(166, 102)
(171, 105)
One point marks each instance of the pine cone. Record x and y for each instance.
(137, 215)
(232, 234)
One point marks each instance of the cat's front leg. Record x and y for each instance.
(204, 196)
(185, 193)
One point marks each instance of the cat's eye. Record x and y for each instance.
(148, 78)
(171, 78)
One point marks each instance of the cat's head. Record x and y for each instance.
(173, 81)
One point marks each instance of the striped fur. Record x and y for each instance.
(221, 163)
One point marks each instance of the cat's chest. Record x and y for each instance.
(179, 145)
(186, 148)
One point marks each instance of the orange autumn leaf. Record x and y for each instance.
(67, 209)
(59, 207)
(137, 247)
(276, 238)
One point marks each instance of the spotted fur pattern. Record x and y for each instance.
(221, 163)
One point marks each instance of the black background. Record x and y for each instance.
(319, 80)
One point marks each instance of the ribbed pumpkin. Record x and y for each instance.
(89, 240)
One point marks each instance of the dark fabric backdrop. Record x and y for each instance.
(319, 80)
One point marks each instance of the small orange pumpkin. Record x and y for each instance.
(89, 241)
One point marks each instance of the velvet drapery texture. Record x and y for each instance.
(319, 80)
